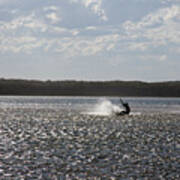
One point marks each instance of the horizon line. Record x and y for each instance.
(83, 80)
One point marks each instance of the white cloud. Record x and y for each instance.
(163, 57)
(18, 23)
(159, 17)
(53, 17)
(168, 1)
(110, 46)
(69, 45)
(138, 46)
(50, 8)
(91, 28)
(59, 29)
(86, 46)
(75, 32)
(154, 30)
(95, 6)
(21, 44)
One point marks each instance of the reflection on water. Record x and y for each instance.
(50, 138)
(92, 104)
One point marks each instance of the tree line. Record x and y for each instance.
(89, 88)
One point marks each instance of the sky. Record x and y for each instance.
(90, 40)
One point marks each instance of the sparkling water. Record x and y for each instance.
(93, 105)
(80, 138)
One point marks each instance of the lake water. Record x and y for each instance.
(80, 138)
(93, 105)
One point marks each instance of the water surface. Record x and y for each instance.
(78, 138)
(88, 104)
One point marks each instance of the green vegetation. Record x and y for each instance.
(86, 88)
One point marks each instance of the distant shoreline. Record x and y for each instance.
(17, 87)
(88, 96)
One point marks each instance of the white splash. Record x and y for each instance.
(104, 108)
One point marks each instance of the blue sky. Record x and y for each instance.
(90, 39)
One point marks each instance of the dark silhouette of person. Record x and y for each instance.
(127, 109)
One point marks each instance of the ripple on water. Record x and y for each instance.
(51, 143)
